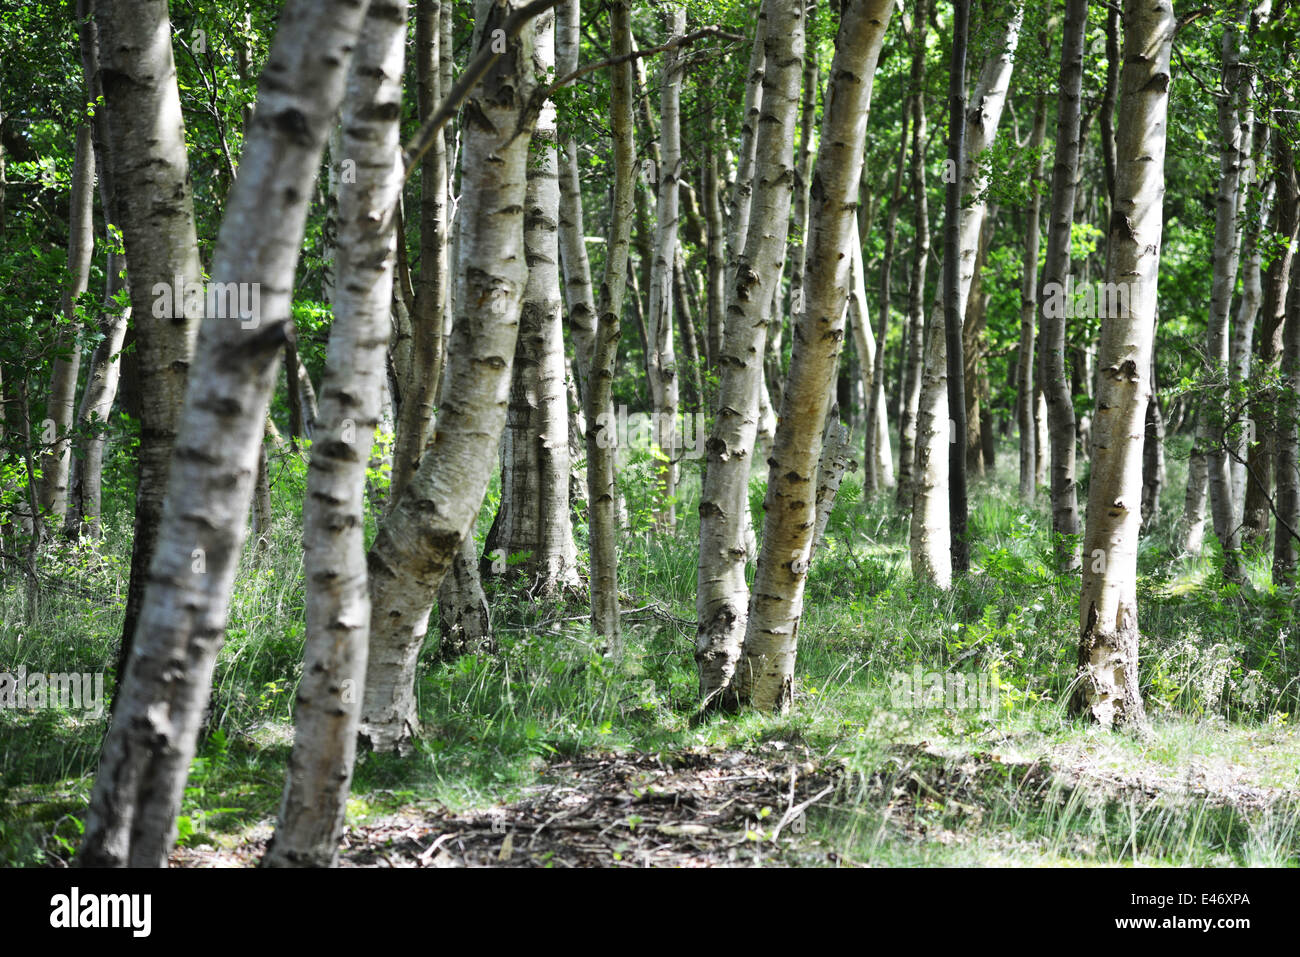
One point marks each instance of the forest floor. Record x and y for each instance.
(550, 753)
(742, 809)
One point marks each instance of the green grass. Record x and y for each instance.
(1217, 784)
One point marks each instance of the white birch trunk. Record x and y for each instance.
(427, 525)
(931, 535)
(723, 595)
(319, 776)
(1108, 646)
(146, 756)
(765, 674)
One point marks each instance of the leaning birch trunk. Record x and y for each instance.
(602, 489)
(581, 304)
(146, 756)
(415, 416)
(933, 556)
(914, 345)
(1029, 311)
(1051, 293)
(319, 775)
(532, 519)
(1234, 157)
(52, 493)
(723, 595)
(146, 151)
(765, 674)
(662, 360)
(428, 523)
(1107, 689)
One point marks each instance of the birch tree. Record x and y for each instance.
(430, 520)
(146, 151)
(1056, 269)
(310, 821)
(662, 360)
(602, 491)
(914, 341)
(934, 554)
(86, 476)
(52, 494)
(427, 346)
(581, 306)
(723, 596)
(1234, 158)
(1107, 689)
(1029, 310)
(147, 753)
(765, 674)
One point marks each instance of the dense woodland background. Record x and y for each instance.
(650, 433)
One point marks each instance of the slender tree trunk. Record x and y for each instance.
(147, 152)
(428, 524)
(319, 776)
(685, 306)
(1287, 460)
(942, 389)
(717, 294)
(1026, 391)
(914, 344)
(1051, 294)
(1252, 294)
(532, 520)
(1153, 453)
(723, 595)
(662, 358)
(1260, 470)
(464, 621)
(953, 301)
(86, 479)
(974, 364)
(869, 367)
(146, 756)
(52, 492)
(573, 250)
(602, 489)
(873, 480)
(765, 674)
(1108, 98)
(1234, 158)
(742, 191)
(415, 415)
(1107, 690)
